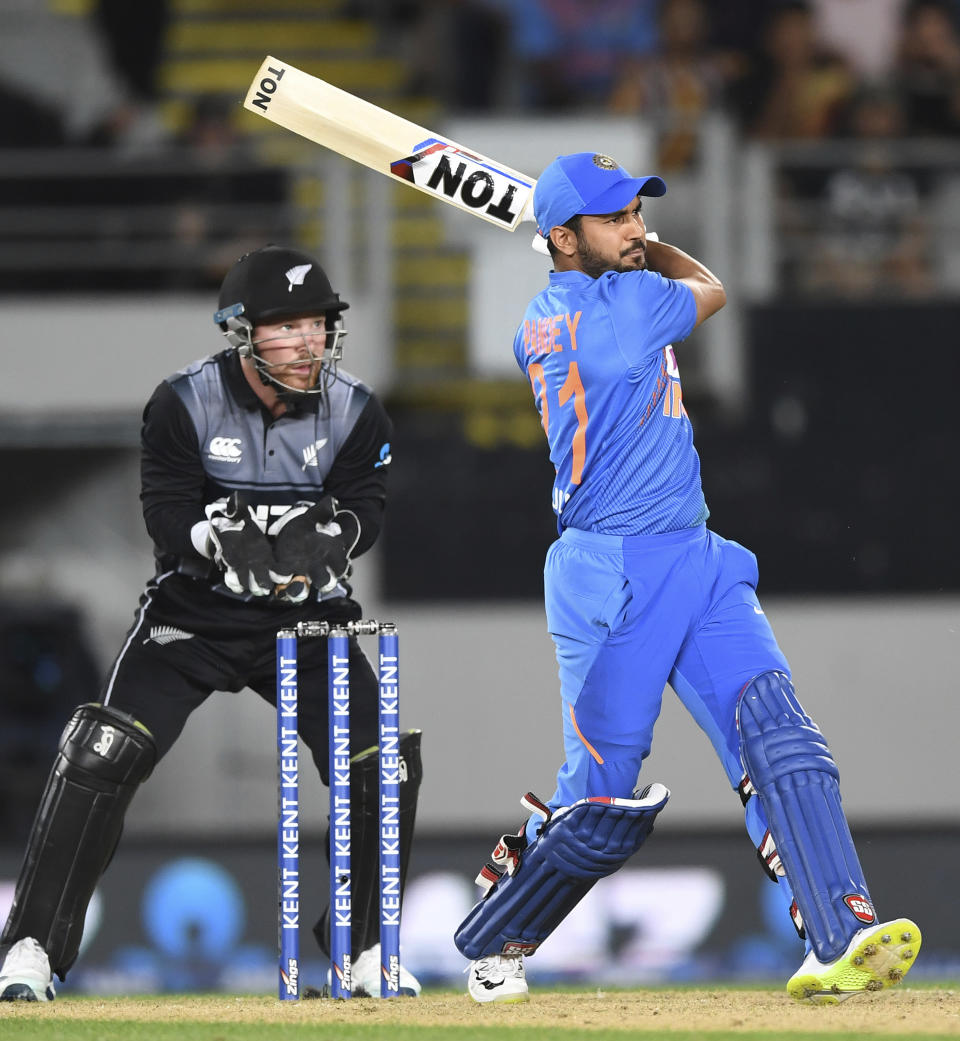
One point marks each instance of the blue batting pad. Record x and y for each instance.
(789, 763)
(576, 847)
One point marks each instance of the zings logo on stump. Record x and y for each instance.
(291, 978)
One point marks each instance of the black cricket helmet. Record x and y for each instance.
(273, 283)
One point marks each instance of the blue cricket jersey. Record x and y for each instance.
(599, 359)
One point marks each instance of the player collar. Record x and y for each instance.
(567, 277)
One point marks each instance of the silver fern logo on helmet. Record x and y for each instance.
(296, 275)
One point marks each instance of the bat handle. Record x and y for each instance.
(301, 581)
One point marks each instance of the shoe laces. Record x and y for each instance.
(499, 966)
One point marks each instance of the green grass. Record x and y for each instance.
(925, 1012)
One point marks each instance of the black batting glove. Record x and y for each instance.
(314, 541)
(240, 549)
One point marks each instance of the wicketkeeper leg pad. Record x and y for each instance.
(365, 839)
(577, 846)
(790, 767)
(104, 755)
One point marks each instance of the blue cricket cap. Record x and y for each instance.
(586, 182)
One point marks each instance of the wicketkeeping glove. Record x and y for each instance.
(240, 549)
(314, 540)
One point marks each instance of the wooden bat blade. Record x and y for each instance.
(390, 144)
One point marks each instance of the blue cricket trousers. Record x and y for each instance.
(630, 614)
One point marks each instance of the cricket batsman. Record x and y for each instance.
(640, 593)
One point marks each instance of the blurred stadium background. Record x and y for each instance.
(813, 156)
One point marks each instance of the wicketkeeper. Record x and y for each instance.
(264, 474)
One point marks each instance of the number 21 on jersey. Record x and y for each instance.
(571, 391)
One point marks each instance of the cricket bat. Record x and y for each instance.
(390, 144)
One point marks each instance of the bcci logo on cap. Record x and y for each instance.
(605, 162)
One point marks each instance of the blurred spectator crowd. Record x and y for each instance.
(784, 72)
(783, 69)
(846, 94)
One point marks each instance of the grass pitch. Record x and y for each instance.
(676, 1014)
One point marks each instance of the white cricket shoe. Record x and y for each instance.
(26, 975)
(875, 958)
(498, 977)
(366, 973)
